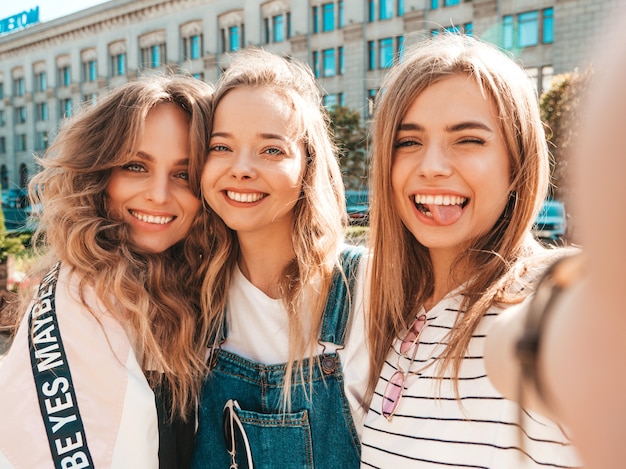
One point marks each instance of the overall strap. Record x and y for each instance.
(53, 381)
(341, 297)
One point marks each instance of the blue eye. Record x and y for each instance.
(134, 167)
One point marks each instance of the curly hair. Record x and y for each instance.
(319, 215)
(154, 296)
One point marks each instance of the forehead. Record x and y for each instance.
(262, 109)
(452, 98)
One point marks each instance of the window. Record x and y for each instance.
(548, 26)
(371, 100)
(328, 17)
(328, 63)
(547, 74)
(41, 81)
(118, 64)
(316, 20)
(42, 111)
(528, 29)
(341, 61)
(371, 55)
(278, 28)
(192, 47)
(90, 71)
(234, 40)
(508, 32)
(450, 3)
(330, 101)
(3, 118)
(20, 142)
(153, 56)
(371, 11)
(385, 9)
(65, 77)
(3, 145)
(400, 47)
(65, 107)
(1, 90)
(385, 52)
(90, 99)
(341, 22)
(41, 140)
(400, 7)
(469, 28)
(20, 87)
(434, 4)
(316, 63)
(20, 115)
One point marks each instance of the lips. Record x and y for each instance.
(155, 220)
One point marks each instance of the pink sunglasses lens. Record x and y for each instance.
(392, 395)
(413, 334)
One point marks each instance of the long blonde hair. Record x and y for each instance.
(319, 214)
(154, 296)
(402, 276)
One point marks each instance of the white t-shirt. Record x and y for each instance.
(258, 329)
(432, 429)
(115, 401)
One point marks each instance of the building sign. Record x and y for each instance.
(19, 21)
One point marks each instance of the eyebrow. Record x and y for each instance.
(147, 157)
(452, 128)
(263, 135)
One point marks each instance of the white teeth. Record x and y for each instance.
(439, 199)
(151, 218)
(247, 197)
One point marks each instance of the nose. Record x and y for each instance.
(243, 165)
(159, 190)
(434, 162)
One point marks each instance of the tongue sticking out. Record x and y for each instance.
(445, 214)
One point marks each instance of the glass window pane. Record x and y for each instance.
(233, 38)
(279, 28)
(528, 29)
(386, 9)
(548, 26)
(328, 59)
(385, 53)
(328, 17)
(507, 32)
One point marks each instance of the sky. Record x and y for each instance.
(48, 9)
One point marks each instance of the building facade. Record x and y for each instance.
(50, 69)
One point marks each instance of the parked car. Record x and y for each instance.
(357, 206)
(551, 222)
(15, 198)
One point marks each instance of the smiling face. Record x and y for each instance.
(450, 174)
(253, 175)
(151, 192)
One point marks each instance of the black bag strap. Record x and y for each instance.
(53, 381)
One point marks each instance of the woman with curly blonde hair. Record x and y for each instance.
(288, 366)
(114, 333)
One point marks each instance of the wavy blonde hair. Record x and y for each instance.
(154, 296)
(319, 215)
(402, 276)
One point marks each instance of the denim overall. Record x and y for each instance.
(318, 431)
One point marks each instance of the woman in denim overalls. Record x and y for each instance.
(288, 361)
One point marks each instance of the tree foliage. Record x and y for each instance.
(560, 110)
(351, 139)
